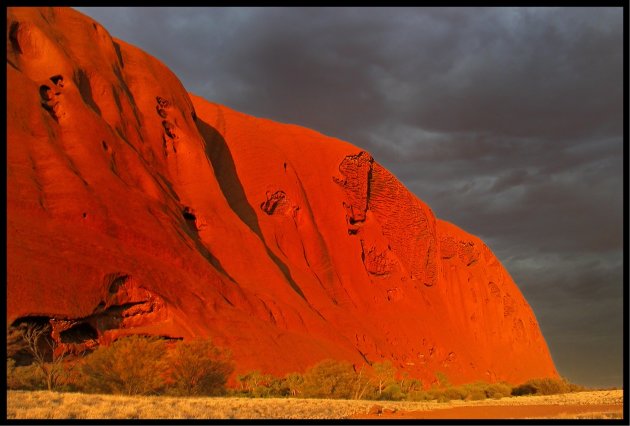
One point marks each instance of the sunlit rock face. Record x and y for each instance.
(136, 207)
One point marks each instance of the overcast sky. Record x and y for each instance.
(507, 121)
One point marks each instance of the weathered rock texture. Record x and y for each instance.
(135, 207)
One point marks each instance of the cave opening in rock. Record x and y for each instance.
(117, 282)
(57, 80)
(43, 92)
(40, 321)
(78, 333)
(189, 215)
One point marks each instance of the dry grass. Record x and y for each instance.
(576, 398)
(53, 405)
(591, 415)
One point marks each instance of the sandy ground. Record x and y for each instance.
(600, 411)
(59, 405)
(581, 405)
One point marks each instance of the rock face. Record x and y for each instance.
(135, 207)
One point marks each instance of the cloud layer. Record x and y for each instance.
(506, 121)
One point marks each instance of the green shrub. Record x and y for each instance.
(261, 392)
(294, 383)
(410, 385)
(330, 379)
(419, 395)
(250, 380)
(452, 393)
(549, 386)
(197, 367)
(442, 398)
(442, 378)
(576, 388)
(475, 391)
(432, 394)
(476, 395)
(524, 389)
(498, 390)
(131, 366)
(32, 377)
(69, 377)
(29, 377)
(256, 384)
(12, 383)
(278, 386)
(392, 393)
(545, 386)
(469, 392)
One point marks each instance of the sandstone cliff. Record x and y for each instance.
(136, 207)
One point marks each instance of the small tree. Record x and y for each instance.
(409, 384)
(43, 348)
(277, 387)
(250, 380)
(294, 382)
(132, 366)
(261, 385)
(442, 379)
(197, 367)
(384, 373)
(362, 384)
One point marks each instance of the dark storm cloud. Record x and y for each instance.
(560, 68)
(506, 121)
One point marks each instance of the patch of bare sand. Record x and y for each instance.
(579, 405)
(507, 412)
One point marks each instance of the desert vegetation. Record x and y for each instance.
(140, 365)
(46, 362)
(133, 365)
(381, 381)
(150, 367)
(63, 405)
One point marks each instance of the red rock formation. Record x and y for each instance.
(134, 207)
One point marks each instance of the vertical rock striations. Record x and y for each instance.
(135, 207)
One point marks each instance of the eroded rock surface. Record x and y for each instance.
(135, 207)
